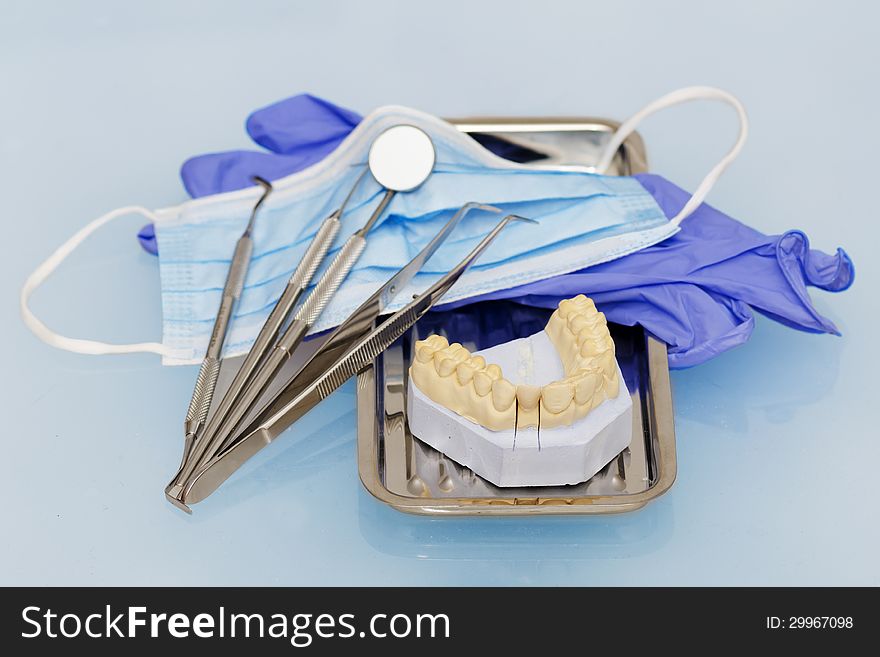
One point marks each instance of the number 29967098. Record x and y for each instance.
(809, 623)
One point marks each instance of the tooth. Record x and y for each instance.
(494, 371)
(446, 367)
(577, 322)
(465, 372)
(437, 341)
(461, 355)
(431, 342)
(446, 352)
(503, 394)
(454, 351)
(479, 362)
(482, 383)
(557, 396)
(439, 357)
(424, 353)
(528, 396)
(566, 306)
(585, 386)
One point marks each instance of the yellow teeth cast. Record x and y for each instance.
(580, 334)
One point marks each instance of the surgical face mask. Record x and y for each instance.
(584, 218)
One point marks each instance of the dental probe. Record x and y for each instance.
(210, 368)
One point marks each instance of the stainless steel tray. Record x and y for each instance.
(410, 476)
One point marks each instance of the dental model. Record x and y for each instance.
(465, 384)
(564, 382)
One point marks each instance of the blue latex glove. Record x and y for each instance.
(695, 291)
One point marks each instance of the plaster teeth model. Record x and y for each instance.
(555, 383)
(580, 334)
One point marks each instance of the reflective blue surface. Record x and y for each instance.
(776, 442)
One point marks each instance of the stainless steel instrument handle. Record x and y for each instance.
(331, 280)
(241, 257)
(206, 381)
(201, 399)
(314, 255)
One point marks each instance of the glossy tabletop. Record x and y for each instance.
(102, 102)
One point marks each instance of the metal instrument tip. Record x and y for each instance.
(171, 495)
(516, 217)
(267, 189)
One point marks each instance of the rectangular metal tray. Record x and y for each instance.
(410, 476)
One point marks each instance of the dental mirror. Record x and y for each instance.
(401, 158)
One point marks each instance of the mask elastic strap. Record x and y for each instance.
(51, 263)
(676, 98)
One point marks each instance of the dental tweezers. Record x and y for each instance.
(350, 348)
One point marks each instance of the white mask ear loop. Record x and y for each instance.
(676, 98)
(51, 263)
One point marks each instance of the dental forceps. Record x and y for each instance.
(350, 348)
(206, 381)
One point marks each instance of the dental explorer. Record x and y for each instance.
(210, 368)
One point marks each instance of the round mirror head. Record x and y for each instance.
(401, 158)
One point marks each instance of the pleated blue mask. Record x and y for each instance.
(583, 219)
